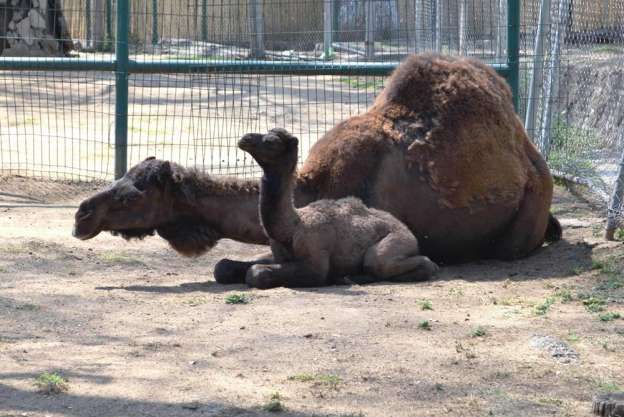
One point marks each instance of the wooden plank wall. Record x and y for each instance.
(300, 22)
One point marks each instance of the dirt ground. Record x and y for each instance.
(137, 330)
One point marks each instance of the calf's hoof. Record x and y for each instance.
(227, 271)
(261, 277)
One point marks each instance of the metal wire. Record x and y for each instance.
(60, 125)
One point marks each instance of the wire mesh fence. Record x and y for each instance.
(571, 91)
(58, 124)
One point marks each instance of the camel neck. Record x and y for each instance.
(277, 211)
(228, 206)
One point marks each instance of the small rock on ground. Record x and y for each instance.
(557, 348)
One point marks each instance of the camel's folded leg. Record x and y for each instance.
(228, 271)
(527, 231)
(395, 258)
(298, 274)
(532, 223)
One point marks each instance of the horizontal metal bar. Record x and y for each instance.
(264, 67)
(187, 66)
(57, 64)
(274, 67)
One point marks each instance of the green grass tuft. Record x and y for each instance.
(236, 299)
(572, 150)
(565, 295)
(426, 305)
(275, 404)
(425, 325)
(51, 383)
(594, 304)
(609, 316)
(362, 83)
(542, 309)
(573, 337)
(328, 380)
(608, 386)
(478, 331)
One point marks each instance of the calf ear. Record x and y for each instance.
(164, 173)
(293, 142)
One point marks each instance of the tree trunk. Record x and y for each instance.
(609, 405)
(34, 28)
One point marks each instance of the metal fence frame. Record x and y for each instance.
(123, 66)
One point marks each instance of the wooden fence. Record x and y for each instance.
(299, 23)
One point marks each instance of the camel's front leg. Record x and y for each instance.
(295, 274)
(228, 271)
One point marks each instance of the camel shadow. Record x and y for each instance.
(184, 288)
(216, 288)
(557, 260)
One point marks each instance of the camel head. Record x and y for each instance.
(274, 150)
(153, 196)
(132, 206)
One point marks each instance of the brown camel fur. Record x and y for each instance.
(441, 149)
(322, 242)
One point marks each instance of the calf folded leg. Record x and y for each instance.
(396, 258)
(228, 271)
(307, 273)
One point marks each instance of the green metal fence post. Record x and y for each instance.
(154, 22)
(121, 88)
(513, 48)
(109, 23)
(204, 20)
(88, 23)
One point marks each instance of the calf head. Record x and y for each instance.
(276, 150)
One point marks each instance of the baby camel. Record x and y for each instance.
(323, 242)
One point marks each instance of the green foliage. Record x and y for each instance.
(362, 83)
(609, 316)
(426, 305)
(608, 386)
(565, 295)
(51, 383)
(573, 337)
(594, 304)
(275, 404)
(425, 325)
(478, 331)
(542, 309)
(328, 380)
(612, 269)
(572, 150)
(236, 299)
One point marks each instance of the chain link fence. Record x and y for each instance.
(61, 124)
(571, 90)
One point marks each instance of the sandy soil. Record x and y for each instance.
(140, 331)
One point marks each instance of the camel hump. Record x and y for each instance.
(442, 84)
